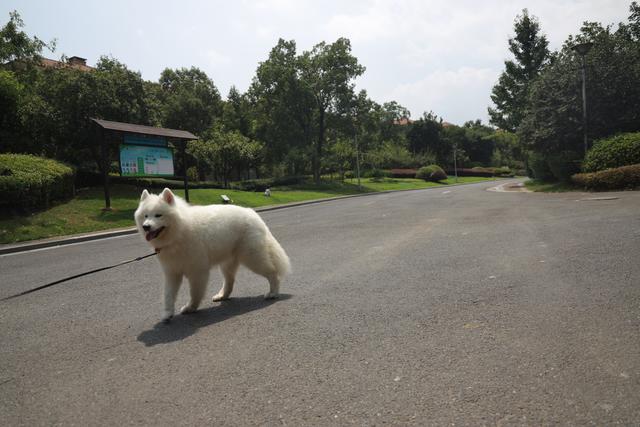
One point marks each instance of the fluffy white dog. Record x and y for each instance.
(190, 240)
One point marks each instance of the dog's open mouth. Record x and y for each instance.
(150, 235)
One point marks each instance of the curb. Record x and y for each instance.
(66, 240)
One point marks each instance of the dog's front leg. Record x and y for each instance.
(172, 283)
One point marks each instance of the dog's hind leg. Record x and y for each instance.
(274, 286)
(197, 287)
(229, 270)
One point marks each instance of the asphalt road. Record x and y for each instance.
(428, 307)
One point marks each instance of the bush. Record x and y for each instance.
(264, 183)
(563, 165)
(613, 152)
(403, 173)
(625, 177)
(159, 183)
(480, 172)
(431, 173)
(539, 168)
(28, 182)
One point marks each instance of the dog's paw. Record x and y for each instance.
(271, 295)
(187, 309)
(219, 297)
(166, 318)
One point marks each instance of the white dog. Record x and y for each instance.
(190, 240)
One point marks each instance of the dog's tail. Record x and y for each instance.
(279, 257)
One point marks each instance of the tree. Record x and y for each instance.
(327, 72)
(223, 152)
(59, 103)
(16, 45)
(531, 53)
(554, 120)
(282, 108)
(425, 136)
(191, 100)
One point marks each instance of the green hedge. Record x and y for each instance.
(28, 182)
(431, 173)
(625, 177)
(613, 152)
(263, 184)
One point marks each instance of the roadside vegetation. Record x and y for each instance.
(84, 212)
(302, 130)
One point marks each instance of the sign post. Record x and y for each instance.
(143, 151)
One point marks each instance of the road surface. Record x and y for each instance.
(431, 307)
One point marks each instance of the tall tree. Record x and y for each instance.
(282, 107)
(16, 45)
(191, 99)
(554, 120)
(425, 136)
(531, 53)
(328, 71)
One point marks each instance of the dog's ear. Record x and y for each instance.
(168, 196)
(144, 195)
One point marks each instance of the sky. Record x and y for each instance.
(440, 56)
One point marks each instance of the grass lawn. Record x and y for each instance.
(84, 213)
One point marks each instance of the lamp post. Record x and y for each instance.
(582, 49)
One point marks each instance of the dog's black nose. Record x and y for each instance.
(146, 227)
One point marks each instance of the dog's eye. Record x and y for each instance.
(158, 215)
(146, 216)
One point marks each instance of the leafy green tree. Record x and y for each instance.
(531, 53)
(16, 45)
(10, 98)
(554, 120)
(425, 136)
(476, 145)
(225, 152)
(327, 72)
(282, 108)
(190, 98)
(236, 112)
(59, 103)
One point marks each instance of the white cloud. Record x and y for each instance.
(455, 95)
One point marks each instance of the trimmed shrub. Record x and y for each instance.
(470, 172)
(403, 173)
(625, 177)
(28, 182)
(432, 173)
(264, 183)
(159, 183)
(613, 152)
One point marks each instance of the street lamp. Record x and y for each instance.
(582, 49)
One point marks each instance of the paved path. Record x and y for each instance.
(430, 307)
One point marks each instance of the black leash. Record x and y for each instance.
(140, 258)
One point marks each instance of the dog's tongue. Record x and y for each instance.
(148, 236)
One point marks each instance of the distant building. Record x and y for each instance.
(403, 121)
(74, 62)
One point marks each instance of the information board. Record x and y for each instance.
(138, 160)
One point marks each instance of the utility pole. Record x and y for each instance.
(455, 162)
(357, 161)
(582, 49)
